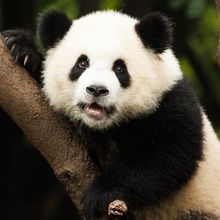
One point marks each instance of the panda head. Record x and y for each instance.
(107, 67)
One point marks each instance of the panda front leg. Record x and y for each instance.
(129, 182)
(97, 198)
(23, 49)
(138, 180)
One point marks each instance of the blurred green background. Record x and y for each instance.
(29, 189)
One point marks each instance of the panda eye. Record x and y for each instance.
(119, 67)
(83, 64)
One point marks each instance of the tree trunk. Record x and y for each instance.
(48, 131)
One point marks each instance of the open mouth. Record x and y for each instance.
(96, 111)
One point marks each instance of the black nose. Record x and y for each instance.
(97, 90)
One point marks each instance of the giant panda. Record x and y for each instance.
(117, 79)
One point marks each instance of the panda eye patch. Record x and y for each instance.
(80, 66)
(121, 72)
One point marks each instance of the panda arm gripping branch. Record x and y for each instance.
(22, 47)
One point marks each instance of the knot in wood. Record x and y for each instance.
(66, 176)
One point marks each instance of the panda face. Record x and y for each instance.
(102, 73)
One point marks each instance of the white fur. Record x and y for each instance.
(105, 37)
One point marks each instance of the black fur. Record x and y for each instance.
(52, 26)
(123, 76)
(155, 31)
(146, 159)
(194, 215)
(21, 44)
(76, 71)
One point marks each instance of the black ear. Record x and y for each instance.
(52, 26)
(155, 31)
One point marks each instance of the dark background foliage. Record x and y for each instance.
(28, 188)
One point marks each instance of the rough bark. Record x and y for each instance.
(48, 131)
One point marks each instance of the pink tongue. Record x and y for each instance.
(95, 112)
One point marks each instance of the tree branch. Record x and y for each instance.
(48, 131)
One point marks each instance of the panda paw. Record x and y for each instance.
(21, 45)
